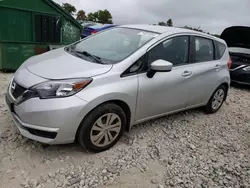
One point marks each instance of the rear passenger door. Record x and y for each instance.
(205, 71)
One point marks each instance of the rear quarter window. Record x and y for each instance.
(204, 49)
(221, 48)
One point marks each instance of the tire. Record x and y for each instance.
(209, 108)
(89, 128)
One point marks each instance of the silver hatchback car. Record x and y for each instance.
(97, 88)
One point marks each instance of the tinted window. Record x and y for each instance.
(115, 44)
(204, 49)
(220, 50)
(47, 29)
(174, 50)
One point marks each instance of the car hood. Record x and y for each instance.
(239, 50)
(58, 64)
(237, 36)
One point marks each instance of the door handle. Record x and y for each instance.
(217, 66)
(186, 73)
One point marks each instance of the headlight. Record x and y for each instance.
(64, 88)
(246, 68)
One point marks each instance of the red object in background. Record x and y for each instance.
(93, 32)
(39, 50)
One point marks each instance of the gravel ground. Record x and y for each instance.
(188, 149)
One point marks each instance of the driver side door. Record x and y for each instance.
(165, 92)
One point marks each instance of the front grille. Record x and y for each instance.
(17, 90)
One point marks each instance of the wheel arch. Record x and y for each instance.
(225, 83)
(121, 103)
(126, 109)
(227, 87)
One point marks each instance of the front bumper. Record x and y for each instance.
(50, 121)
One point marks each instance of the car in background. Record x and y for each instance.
(238, 41)
(94, 28)
(87, 24)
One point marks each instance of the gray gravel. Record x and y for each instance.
(189, 149)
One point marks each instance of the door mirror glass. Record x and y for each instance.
(161, 66)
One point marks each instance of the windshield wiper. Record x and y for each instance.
(71, 50)
(97, 59)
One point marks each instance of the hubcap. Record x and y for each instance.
(105, 130)
(218, 99)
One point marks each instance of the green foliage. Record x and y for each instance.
(170, 23)
(162, 24)
(92, 17)
(216, 35)
(101, 16)
(69, 8)
(195, 29)
(105, 16)
(200, 30)
(81, 15)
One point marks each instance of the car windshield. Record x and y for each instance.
(114, 45)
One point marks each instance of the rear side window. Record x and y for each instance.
(221, 48)
(204, 49)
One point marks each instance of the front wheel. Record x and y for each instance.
(102, 128)
(216, 100)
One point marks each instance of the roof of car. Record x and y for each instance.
(164, 29)
(154, 28)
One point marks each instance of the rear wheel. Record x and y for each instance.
(102, 128)
(216, 100)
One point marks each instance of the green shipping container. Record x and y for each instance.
(32, 27)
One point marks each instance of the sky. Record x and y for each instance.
(210, 15)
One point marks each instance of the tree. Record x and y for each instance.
(69, 8)
(170, 23)
(195, 29)
(104, 16)
(92, 17)
(216, 35)
(101, 16)
(81, 15)
(162, 23)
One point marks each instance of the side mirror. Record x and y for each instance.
(159, 66)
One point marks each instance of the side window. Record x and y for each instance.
(204, 49)
(174, 50)
(221, 48)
